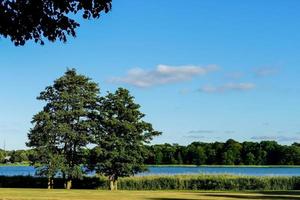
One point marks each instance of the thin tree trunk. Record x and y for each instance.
(69, 184)
(113, 183)
(64, 179)
(49, 183)
(116, 184)
(52, 182)
(111, 186)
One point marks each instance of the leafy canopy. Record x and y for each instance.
(120, 150)
(64, 127)
(24, 20)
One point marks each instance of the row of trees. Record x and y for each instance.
(78, 129)
(229, 153)
(199, 153)
(18, 156)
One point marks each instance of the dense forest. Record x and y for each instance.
(198, 153)
(229, 153)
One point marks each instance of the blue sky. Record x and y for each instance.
(201, 70)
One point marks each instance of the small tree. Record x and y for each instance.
(120, 150)
(64, 127)
(55, 164)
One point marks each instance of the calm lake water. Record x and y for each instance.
(253, 171)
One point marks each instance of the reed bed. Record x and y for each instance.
(165, 182)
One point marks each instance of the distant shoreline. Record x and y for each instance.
(233, 166)
(15, 165)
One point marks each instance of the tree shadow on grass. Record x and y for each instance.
(264, 195)
(249, 196)
(168, 198)
(291, 192)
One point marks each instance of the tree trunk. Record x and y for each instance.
(49, 183)
(52, 182)
(64, 179)
(111, 186)
(69, 184)
(116, 184)
(113, 183)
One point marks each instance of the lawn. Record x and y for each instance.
(39, 194)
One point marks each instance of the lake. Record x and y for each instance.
(167, 170)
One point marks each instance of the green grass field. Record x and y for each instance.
(39, 194)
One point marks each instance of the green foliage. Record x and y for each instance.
(252, 153)
(120, 150)
(74, 117)
(250, 159)
(229, 153)
(50, 19)
(64, 127)
(2, 156)
(18, 156)
(180, 182)
(209, 182)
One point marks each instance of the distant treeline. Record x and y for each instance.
(15, 156)
(230, 152)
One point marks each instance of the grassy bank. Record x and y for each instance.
(38, 194)
(25, 164)
(178, 182)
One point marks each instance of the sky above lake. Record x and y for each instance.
(202, 70)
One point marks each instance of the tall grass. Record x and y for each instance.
(177, 182)
(209, 182)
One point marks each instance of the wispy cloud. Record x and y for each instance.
(227, 87)
(163, 74)
(265, 71)
(195, 137)
(211, 132)
(200, 131)
(279, 138)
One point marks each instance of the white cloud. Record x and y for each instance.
(163, 74)
(195, 137)
(264, 137)
(200, 131)
(227, 87)
(279, 138)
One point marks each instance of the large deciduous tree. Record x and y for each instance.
(62, 130)
(121, 139)
(23, 20)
